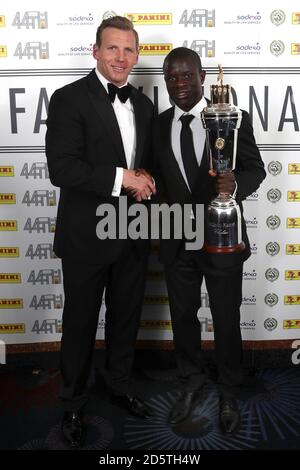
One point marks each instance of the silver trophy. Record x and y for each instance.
(221, 121)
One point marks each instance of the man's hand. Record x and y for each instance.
(138, 184)
(225, 182)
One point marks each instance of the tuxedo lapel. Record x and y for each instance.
(174, 171)
(139, 127)
(104, 109)
(174, 168)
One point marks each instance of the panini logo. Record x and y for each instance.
(295, 48)
(291, 324)
(7, 171)
(3, 51)
(2, 21)
(295, 18)
(293, 196)
(7, 198)
(12, 328)
(8, 225)
(156, 300)
(149, 18)
(155, 49)
(292, 249)
(293, 222)
(11, 303)
(156, 324)
(9, 252)
(292, 275)
(292, 299)
(10, 278)
(294, 169)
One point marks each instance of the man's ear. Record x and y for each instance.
(95, 51)
(203, 75)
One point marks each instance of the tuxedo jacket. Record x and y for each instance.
(249, 173)
(83, 149)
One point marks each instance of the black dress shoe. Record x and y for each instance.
(229, 415)
(134, 405)
(72, 428)
(183, 407)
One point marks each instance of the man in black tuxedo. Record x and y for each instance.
(185, 269)
(98, 134)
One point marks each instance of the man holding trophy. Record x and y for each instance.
(205, 153)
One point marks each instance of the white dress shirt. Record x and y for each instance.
(197, 130)
(126, 120)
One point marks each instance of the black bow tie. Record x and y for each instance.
(123, 93)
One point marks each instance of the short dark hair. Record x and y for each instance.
(182, 53)
(118, 22)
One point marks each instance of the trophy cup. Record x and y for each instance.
(221, 121)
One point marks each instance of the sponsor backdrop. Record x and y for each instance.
(45, 46)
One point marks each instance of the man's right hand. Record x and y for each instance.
(138, 183)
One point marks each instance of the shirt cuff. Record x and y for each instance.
(116, 191)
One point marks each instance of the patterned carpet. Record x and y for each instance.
(30, 413)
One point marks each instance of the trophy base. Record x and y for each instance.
(224, 249)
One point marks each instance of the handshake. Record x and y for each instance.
(138, 184)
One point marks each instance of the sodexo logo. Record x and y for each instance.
(245, 18)
(250, 275)
(248, 325)
(254, 249)
(253, 197)
(251, 223)
(249, 48)
(249, 300)
(81, 49)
